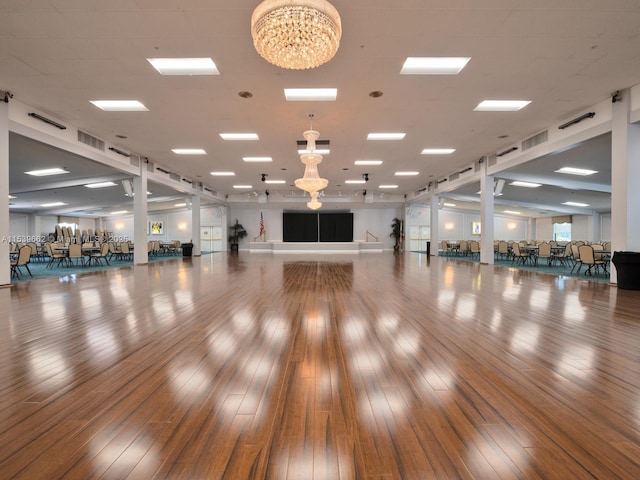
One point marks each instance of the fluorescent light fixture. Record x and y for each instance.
(437, 151)
(406, 174)
(275, 182)
(434, 65)
(494, 194)
(388, 186)
(576, 171)
(386, 136)
(576, 204)
(119, 212)
(120, 105)
(512, 212)
(518, 183)
(223, 174)
(355, 182)
(101, 185)
(184, 66)
(54, 204)
(257, 159)
(319, 151)
(242, 186)
(179, 204)
(448, 204)
(501, 105)
(368, 162)
(46, 172)
(239, 136)
(189, 151)
(310, 94)
(12, 197)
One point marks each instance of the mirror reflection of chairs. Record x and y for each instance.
(24, 256)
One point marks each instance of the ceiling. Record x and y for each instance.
(57, 55)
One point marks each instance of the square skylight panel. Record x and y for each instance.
(434, 65)
(184, 66)
(501, 105)
(310, 94)
(120, 105)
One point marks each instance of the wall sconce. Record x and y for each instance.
(449, 226)
(182, 226)
(119, 226)
(511, 226)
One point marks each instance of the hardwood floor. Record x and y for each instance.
(370, 366)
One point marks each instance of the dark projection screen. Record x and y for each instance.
(317, 227)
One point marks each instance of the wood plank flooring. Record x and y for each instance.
(370, 366)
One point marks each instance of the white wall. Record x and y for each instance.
(376, 220)
(544, 229)
(581, 227)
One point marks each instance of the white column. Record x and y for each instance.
(533, 230)
(625, 171)
(435, 222)
(195, 225)
(596, 227)
(140, 220)
(5, 268)
(486, 218)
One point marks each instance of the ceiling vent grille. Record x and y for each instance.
(174, 176)
(535, 140)
(134, 160)
(454, 176)
(90, 140)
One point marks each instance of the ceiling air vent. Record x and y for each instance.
(91, 141)
(174, 176)
(535, 140)
(134, 160)
(454, 176)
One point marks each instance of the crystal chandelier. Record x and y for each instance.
(311, 181)
(314, 204)
(296, 34)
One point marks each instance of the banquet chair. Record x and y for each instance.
(587, 257)
(24, 256)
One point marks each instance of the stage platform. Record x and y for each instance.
(315, 247)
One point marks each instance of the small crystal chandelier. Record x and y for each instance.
(314, 204)
(311, 181)
(296, 34)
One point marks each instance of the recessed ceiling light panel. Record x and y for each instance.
(120, 105)
(189, 151)
(576, 171)
(223, 174)
(437, 151)
(53, 204)
(388, 186)
(47, 171)
(101, 185)
(184, 66)
(368, 162)
(406, 174)
(501, 105)
(257, 159)
(310, 94)
(576, 204)
(518, 183)
(386, 136)
(239, 136)
(434, 65)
